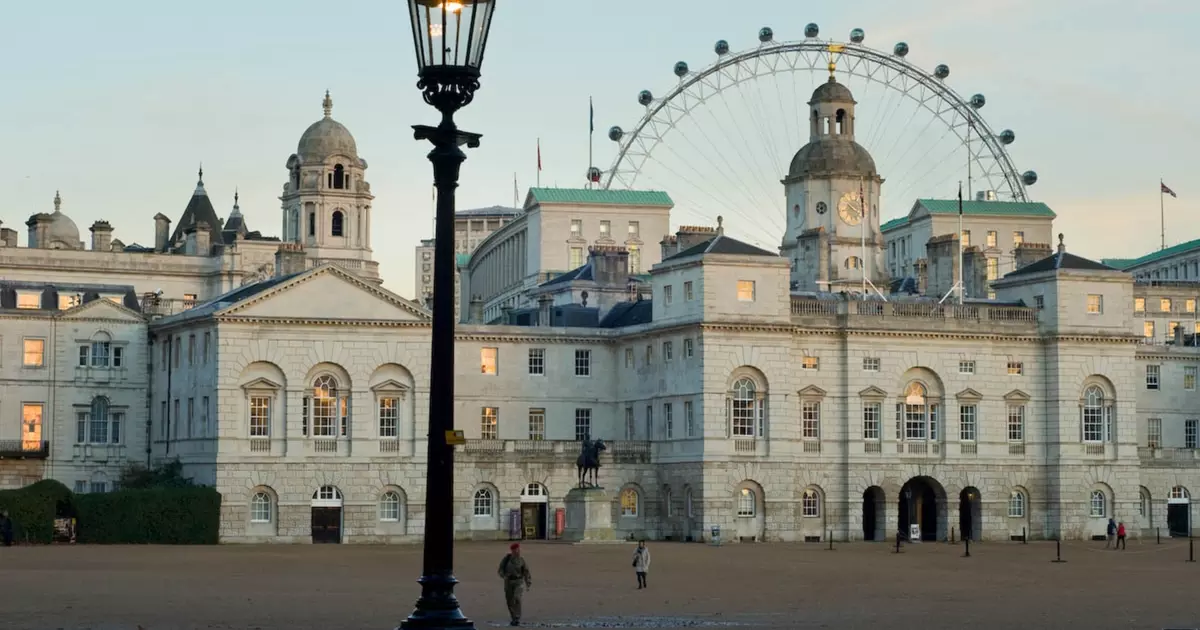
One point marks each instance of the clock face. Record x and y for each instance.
(850, 208)
(821, 207)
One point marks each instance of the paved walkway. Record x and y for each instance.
(766, 586)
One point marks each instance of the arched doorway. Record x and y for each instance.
(922, 504)
(970, 514)
(874, 514)
(1179, 508)
(535, 512)
(327, 515)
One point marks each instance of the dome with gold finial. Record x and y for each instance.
(326, 138)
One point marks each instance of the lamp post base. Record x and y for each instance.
(437, 607)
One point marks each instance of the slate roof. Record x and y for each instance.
(491, 211)
(722, 245)
(230, 298)
(629, 314)
(581, 273)
(199, 209)
(601, 196)
(1060, 260)
(976, 208)
(1181, 248)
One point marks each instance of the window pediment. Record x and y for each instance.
(812, 391)
(873, 393)
(261, 384)
(390, 386)
(1016, 395)
(969, 395)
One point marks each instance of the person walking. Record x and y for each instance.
(1120, 536)
(515, 574)
(1112, 535)
(641, 563)
(6, 528)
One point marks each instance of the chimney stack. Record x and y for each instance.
(544, 304)
(8, 237)
(203, 239)
(289, 259)
(162, 231)
(101, 236)
(37, 230)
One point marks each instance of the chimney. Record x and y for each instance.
(203, 238)
(689, 236)
(162, 231)
(8, 237)
(544, 304)
(101, 236)
(37, 230)
(1062, 249)
(1179, 340)
(1028, 253)
(610, 264)
(476, 310)
(289, 259)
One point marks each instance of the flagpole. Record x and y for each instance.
(1162, 212)
(516, 193)
(591, 137)
(539, 163)
(962, 285)
(862, 224)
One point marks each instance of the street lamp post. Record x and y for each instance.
(450, 37)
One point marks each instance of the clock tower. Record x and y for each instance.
(833, 239)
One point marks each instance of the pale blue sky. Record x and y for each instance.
(115, 103)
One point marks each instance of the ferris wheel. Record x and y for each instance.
(720, 140)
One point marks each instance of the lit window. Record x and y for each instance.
(810, 363)
(635, 259)
(576, 258)
(1164, 305)
(483, 502)
(34, 353)
(1139, 305)
(811, 504)
(487, 360)
(29, 300)
(605, 228)
(629, 502)
(1016, 368)
(993, 269)
(991, 238)
(576, 227)
(634, 229)
(1171, 326)
(1018, 238)
(1152, 374)
(389, 418)
(966, 238)
(260, 508)
(31, 427)
(389, 507)
(537, 361)
(1189, 377)
(1095, 304)
(1189, 305)
(537, 424)
(583, 363)
(747, 504)
(745, 290)
(69, 301)
(853, 262)
(1148, 330)
(1099, 504)
(1016, 504)
(489, 424)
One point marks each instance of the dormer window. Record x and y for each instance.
(338, 224)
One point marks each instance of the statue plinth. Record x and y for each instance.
(589, 516)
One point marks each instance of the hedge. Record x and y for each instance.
(33, 509)
(159, 516)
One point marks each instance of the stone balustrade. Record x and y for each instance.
(811, 311)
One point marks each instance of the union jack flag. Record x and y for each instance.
(1167, 191)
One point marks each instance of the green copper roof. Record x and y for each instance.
(601, 197)
(977, 208)
(1118, 263)
(1162, 253)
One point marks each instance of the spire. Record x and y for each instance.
(57, 202)
(237, 211)
(327, 105)
(200, 182)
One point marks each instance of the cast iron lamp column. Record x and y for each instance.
(450, 37)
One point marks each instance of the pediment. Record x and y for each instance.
(262, 383)
(872, 392)
(328, 293)
(103, 309)
(390, 385)
(1016, 395)
(969, 395)
(812, 391)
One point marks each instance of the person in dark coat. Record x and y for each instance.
(517, 578)
(6, 528)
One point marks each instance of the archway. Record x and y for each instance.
(535, 511)
(922, 505)
(327, 515)
(874, 514)
(970, 514)
(1179, 508)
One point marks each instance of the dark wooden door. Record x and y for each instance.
(326, 525)
(1177, 519)
(868, 509)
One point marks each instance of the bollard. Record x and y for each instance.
(1024, 536)
(830, 540)
(967, 541)
(897, 543)
(1191, 549)
(1158, 535)
(952, 541)
(1058, 550)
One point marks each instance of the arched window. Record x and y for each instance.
(389, 507)
(842, 127)
(810, 504)
(312, 223)
(747, 503)
(338, 224)
(534, 490)
(629, 502)
(746, 409)
(853, 262)
(1016, 504)
(325, 406)
(918, 413)
(327, 493)
(99, 425)
(1143, 502)
(1179, 492)
(687, 503)
(339, 177)
(670, 511)
(1096, 416)
(260, 508)
(483, 502)
(1099, 504)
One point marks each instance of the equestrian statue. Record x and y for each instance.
(589, 461)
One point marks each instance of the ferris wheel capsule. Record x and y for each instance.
(900, 50)
(812, 30)
(1029, 178)
(681, 69)
(942, 71)
(615, 133)
(594, 174)
(765, 34)
(722, 47)
(978, 101)
(1007, 136)
(645, 97)
(857, 35)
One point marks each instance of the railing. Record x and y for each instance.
(1016, 449)
(162, 307)
(808, 307)
(1169, 454)
(1093, 449)
(484, 446)
(345, 263)
(812, 447)
(533, 446)
(24, 449)
(745, 446)
(968, 449)
(872, 447)
(260, 445)
(388, 445)
(325, 445)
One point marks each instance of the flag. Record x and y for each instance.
(516, 194)
(960, 199)
(1167, 191)
(862, 200)
(591, 116)
(539, 147)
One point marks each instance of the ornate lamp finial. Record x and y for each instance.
(200, 175)
(57, 201)
(327, 105)
(235, 198)
(834, 49)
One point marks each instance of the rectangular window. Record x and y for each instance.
(745, 290)
(1016, 423)
(667, 294)
(260, 416)
(966, 367)
(583, 424)
(191, 349)
(84, 353)
(635, 259)
(1152, 373)
(389, 417)
(605, 229)
(669, 420)
(118, 357)
(98, 487)
(191, 415)
(31, 426)
(100, 354)
(688, 295)
(668, 351)
(207, 343)
(1189, 378)
(1148, 330)
(576, 258)
(537, 424)
(583, 363)
(810, 363)
(1016, 368)
(487, 360)
(34, 353)
(537, 361)
(1189, 433)
(1164, 305)
(489, 424)
(1189, 305)
(689, 418)
(1139, 305)
(576, 227)
(871, 419)
(163, 363)
(1039, 302)
(993, 269)
(175, 418)
(870, 364)
(69, 301)
(630, 424)
(966, 423)
(810, 420)
(688, 350)
(649, 354)
(1018, 238)
(1154, 432)
(634, 229)
(178, 351)
(628, 357)
(29, 300)
(991, 238)
(916, 421)
(1095, 304)
(162, 422)
(204, 417)
(649, 422)
(1171, 326)
(966, 238)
